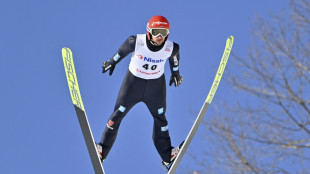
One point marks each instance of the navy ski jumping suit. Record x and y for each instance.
(150, 91)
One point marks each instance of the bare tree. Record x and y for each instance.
(268, 131)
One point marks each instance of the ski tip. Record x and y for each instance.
(231, 38)
(230, 41)
(65, 49)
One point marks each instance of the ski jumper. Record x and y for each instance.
(144, 82)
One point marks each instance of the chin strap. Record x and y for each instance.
(153, 43)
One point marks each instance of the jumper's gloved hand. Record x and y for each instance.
(176, 79)
(108, 65)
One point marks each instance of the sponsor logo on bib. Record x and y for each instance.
(148, 59)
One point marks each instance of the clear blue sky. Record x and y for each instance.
(38, 127)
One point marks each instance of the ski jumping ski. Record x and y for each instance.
(216, 82)
(80, 110)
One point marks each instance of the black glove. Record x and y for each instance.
(108, 65)
(176, 79)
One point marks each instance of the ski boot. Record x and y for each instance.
(99, 150)
(174, 153)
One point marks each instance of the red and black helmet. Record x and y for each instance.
(158, 25)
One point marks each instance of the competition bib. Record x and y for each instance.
(147, 64)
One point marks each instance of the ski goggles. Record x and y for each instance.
(159, 31)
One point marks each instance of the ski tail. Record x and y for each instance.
(216, 82)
